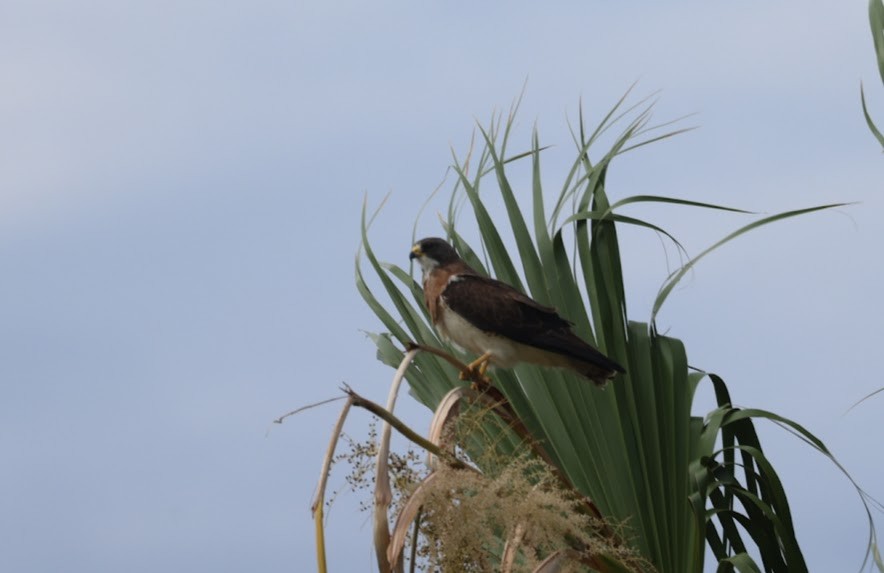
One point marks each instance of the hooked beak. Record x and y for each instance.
(415, 252)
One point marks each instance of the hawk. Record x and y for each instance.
(500, 324)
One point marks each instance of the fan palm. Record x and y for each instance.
(679, 484)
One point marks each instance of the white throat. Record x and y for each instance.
(427, 266)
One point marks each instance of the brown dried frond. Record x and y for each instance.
(510, 516)
(467, 518)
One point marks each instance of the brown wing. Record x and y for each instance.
(496, 307)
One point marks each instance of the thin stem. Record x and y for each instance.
(403, 429)
(319, 500)
(383, 495)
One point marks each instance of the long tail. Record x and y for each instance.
(599, 375)
(584, 358)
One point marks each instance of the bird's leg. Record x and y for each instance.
(477, 366)
(475, 370)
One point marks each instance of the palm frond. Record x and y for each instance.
(679, 483)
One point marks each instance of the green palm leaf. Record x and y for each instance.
(678, 483)
(876, 21)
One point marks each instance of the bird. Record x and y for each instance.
(501, 324)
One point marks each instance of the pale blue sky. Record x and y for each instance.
(180, 189)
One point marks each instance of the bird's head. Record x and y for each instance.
(432, 252)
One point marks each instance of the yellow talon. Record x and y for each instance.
(475, 370)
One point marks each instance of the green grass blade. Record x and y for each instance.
(648, 141)
(864, 398)
(674, 201)
(741, 562)
(530, 260)
(673, 280)
(500, 259)
(600, 216)
(872, 127)
(876, 21)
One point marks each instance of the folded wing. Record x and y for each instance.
(495, 307)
